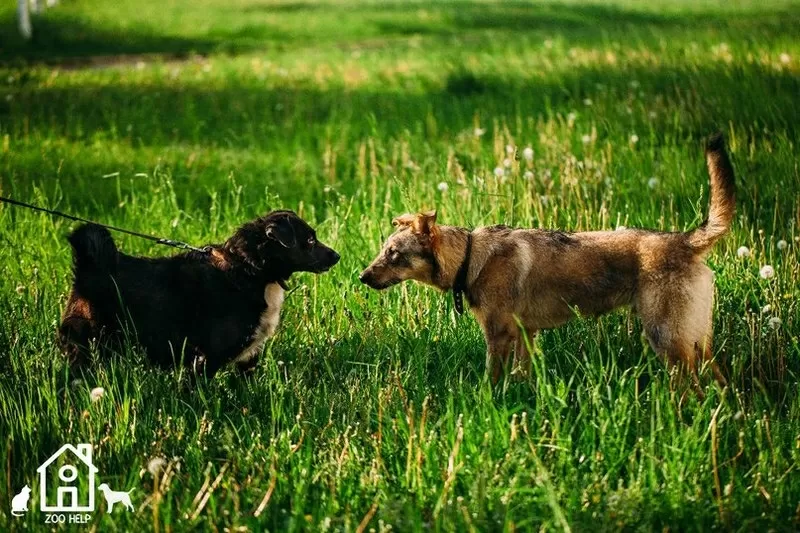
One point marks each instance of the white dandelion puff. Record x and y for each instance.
(527, 153)
(498, 171)
(587, 102)
(742, 252)
(767, 272)
(634, 139)
(507, 162)
(652, 182)
(586, 139)
(571, 117)
(766, 309)
(528, 175)
(156, 465)
(509, 149)
(782, 245)
(442, 186)
(97, 393)
(478, 132)
(774, 322)
(785, 58)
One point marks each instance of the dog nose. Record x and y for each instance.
(364, 276)
(334, 257)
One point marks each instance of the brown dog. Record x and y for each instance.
(201, 309)
(518, 281)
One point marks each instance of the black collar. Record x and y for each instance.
(460, 285)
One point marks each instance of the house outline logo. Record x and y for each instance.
(67, 494)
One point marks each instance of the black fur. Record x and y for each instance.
(198, 308)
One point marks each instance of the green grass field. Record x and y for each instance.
(370, 411)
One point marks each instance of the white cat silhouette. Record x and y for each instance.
(19, 503)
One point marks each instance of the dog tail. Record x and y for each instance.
(93, 250)
(723, 197)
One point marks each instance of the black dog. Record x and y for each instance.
(202, 309)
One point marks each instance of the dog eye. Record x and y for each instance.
(312, 241)
(394, 255)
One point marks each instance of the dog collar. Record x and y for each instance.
(460, 285)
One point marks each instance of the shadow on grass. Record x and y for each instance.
(64, 33)
(257, 122)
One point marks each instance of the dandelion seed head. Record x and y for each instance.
(774, 322)
(634, 139)
(507, 162)
(442, 186)
(742, 252)
(785, 58)
(478, 132)
(509, 149)
(97, 393)
(527, 153)
(528, 175)
(782, 245)
(586, 139)
(766, 309)
(156, 465)
(767, 272)
(498, 171)
(587, 102)
(652, 182)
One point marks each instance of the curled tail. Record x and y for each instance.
(93, 251)
(723, 197)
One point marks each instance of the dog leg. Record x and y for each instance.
(522, 355)
(77, 331)
(677, 322)
(248, 366)
(201, 365)
(499, 346)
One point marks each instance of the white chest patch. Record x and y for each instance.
(267, 324)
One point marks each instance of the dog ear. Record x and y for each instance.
(404, 220)
(425, 223)
(281, 232)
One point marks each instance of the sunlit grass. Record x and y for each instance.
(373, 405)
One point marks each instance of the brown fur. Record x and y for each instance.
(540, 279)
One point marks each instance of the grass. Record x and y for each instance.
(186, 119)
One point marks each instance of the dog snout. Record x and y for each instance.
(333, 257)
(365, 277)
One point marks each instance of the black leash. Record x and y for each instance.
(158, 240)
(460, 284)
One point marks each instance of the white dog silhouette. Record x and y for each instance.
(113, 496)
